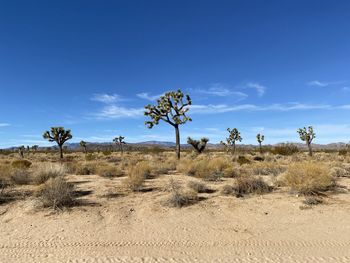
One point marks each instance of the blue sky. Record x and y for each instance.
(91, 66)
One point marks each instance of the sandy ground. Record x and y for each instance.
(139, 228)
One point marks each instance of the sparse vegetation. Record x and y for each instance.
(234, 136)
(180, 197)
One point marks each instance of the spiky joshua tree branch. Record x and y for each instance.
(200, 145)
(171, 108)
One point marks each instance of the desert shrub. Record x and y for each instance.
(109, 171)
(179, 197)
(339, 172)
(85, 169)
(90, 157)
(228, 189)
(308, 177)
(136, 176)
(21, 164)
(20, 176)
(343, 152)
(285, 149)
(207, 169)
(267, 168)
(312, 200)
(56, 193)
(243, 160)
(251, 184)
(198, 187)
(258, 158)
(106, 153)
(45, 171)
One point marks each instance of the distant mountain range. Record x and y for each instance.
(165, 145)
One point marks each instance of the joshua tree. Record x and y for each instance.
(84, 146)
(171, 109)
(119, 141)
(58, 135)
(260, 138)
(35, 148)
(307, 135)
(21, 151)
(234, 136)
(200, 145)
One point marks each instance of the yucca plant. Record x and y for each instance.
(58, 135)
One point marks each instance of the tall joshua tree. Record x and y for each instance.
(307, 135)
(260, 138)
(200, 145)
(119, 141)
(83, 145)
(234, 136)
(58, 135)
(171, 108)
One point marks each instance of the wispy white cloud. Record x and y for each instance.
(318, 83)
(117, 112)
(260, 89)
(221, 90)
(4, 124)
(222, 108)
(146, 96)
(106, 98)
(346, 89)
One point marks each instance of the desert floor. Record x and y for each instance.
(138, 227)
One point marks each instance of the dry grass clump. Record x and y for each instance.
(180, 197)
(207, 169)
(21, 164)
(267, 168)
(246, 185)
(339, 172)
(21, 176)
(164, 166)
(85, 169)
(199, 187)
(137, 175)
(57, 193)
(45, 171)
(308, 177)
(109, 171)
(251, 184)
(312, 200)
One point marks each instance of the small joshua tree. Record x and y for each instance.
(119, 141)
(171, 108)
(35, 148)
(234, 136)
(21, 151)
(200, 145)
(307, 135)
(58, 135)
(260, 138)
(84, 146)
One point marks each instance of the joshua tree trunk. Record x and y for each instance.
(61, 151)
(260, 147)
(177, 133)
(234, 148)
(310, 149)
(121, 148)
